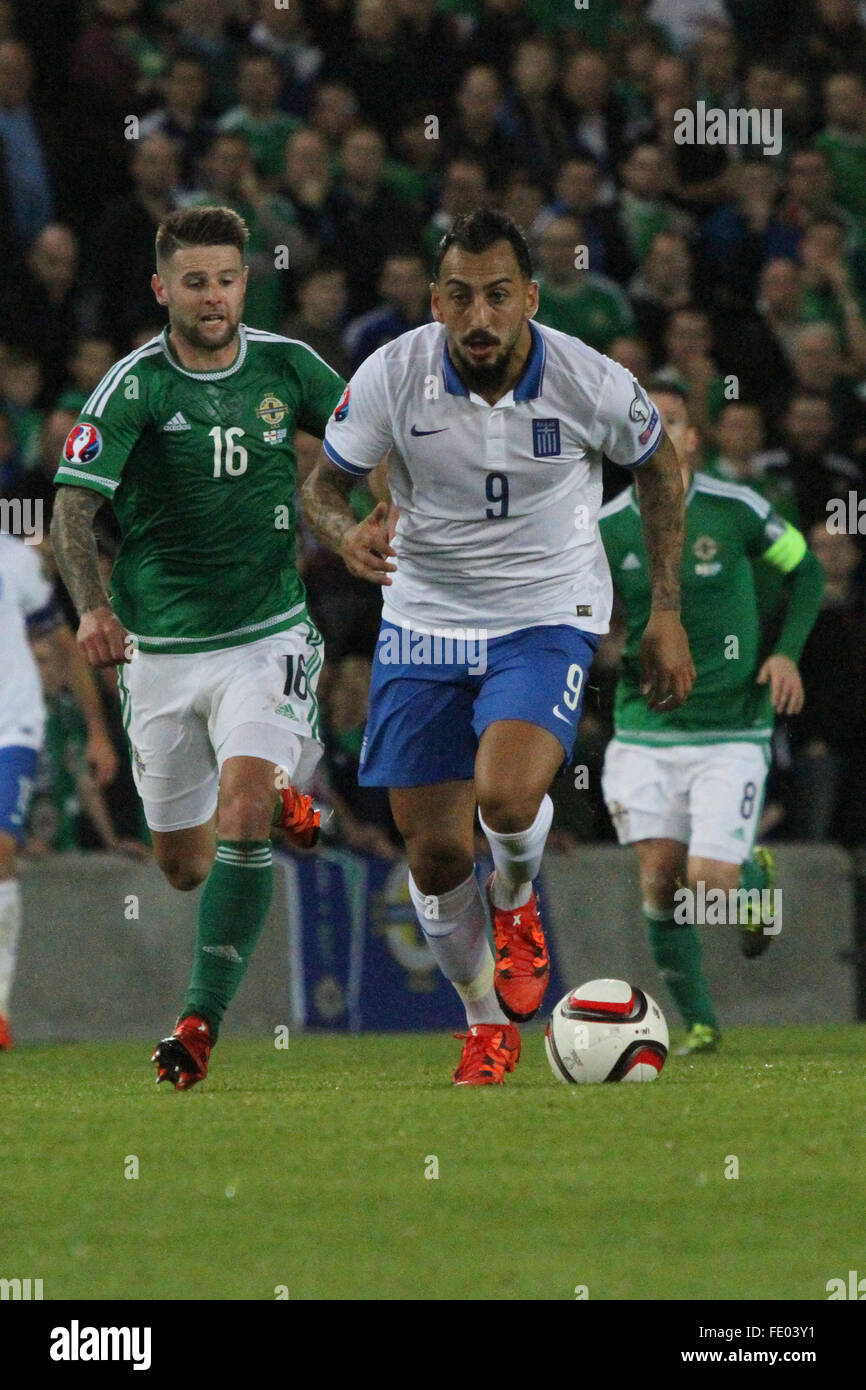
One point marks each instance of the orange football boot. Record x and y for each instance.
(182, 1059)
(522, 966)
(489, 1051)
(295, 815)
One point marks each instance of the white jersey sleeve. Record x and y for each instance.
(360, 430)
(627, 427)
(34, 591)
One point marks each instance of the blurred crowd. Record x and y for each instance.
(350, 134)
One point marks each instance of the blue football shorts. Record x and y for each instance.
(431, 698)
(17, 774)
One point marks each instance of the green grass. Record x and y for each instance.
(305, 1168)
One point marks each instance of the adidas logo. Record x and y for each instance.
(631, 562)
(177, 422)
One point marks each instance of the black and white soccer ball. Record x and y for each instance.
(606, 1030)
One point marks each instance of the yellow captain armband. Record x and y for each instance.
(787, 550)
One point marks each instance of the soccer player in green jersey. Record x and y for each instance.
(685, 786)
(191, 438)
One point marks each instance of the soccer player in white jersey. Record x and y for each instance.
(496, 430)
(28, 609)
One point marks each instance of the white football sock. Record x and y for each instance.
(455, 928)
(517, 857)
(10, 926)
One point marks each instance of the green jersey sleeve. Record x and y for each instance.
(770, 537)
(323, 389)
(107, 430)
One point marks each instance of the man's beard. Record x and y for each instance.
(484, 376)
(192, 332)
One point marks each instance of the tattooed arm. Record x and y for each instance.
(101, 636)
(363, 546)
(668, 673)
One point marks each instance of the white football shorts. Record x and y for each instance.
(185, 715)
(706, 796)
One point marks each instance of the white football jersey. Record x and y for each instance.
(24, 594)
(498, 504)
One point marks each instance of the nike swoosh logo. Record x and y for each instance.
(417, 433)
(559, 715)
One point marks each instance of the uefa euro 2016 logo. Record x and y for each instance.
(83, 443)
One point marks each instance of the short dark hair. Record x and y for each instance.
(660, 386)
(204, 226)
(479, 230)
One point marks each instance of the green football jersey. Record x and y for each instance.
(201, 470)
(727, 527)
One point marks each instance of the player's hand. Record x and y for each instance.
(102, 637)
(667, 669)
(101, 757)
(365, 548)
(786, 687)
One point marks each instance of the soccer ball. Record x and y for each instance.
(606, 1030)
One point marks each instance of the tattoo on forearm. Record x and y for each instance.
(74, 546)
(325, 502)
(660, 495)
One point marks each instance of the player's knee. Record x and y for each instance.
(246, 815)
(659, 881)
(186, 874)
(714, 874)
(437, 866)
(507, 810)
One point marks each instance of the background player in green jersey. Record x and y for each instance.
(685, 786)
(191, 437)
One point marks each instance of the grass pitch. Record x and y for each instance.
(304, 1169)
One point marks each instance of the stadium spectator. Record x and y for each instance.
(632, 353)
(685, 20)
(809, 193)
(829, 38)
(20, 392)
(830, 293)
(780, 302)
(367, 217)
(373, 63)
(806, 464)
(203, 27)
(634, 87)
(522, 199)
(843, 140)
(746, 231)
(464, 187)
(532, 115)
(121, 250)
(478, 131)
(644, 207)
(230, 181)
(738, 438)
(26, 167)
(500, 27)
(405, 289)
(306, 183)
(90, 359)
(819, 369)
(576, 300)
(577, 192)
(114, 69)
(185, 91)
(698, 169)
(10, 455)
(321, 315)
(414, 172)
(258, 117)
(690, 365)
(829, 774)
(283, 32)
(334, 113)
(716, 64)
(664, 282)
(594, 115)
(42, 306)
(428, 39)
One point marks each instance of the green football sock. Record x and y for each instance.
(231, 915)
(677, 953)
(753, 874)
